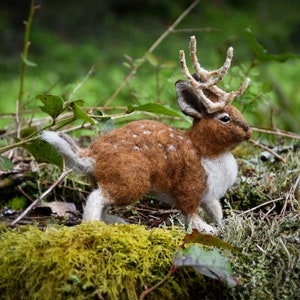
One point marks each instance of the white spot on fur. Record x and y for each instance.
(115, 146)
(159, 145)
(180, 137)
(171, 135)
(135, 136)
(137, 148)
(147, 132)
(171, 148)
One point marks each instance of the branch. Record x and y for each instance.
(19, 109)
(151, 49)
(258, 144)
(259, 206)
(44, 195)
(277, 132)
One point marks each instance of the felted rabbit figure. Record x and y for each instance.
(185, 169)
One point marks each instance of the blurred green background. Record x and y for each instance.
(69, 37)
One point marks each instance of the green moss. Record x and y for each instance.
(90, 261)
(269, 264)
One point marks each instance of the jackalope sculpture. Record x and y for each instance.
(184, 169)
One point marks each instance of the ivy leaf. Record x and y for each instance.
(5, 164)
(262, 54)
(42, 151)
(207, 239)
(79, 113)
(156, 109)
(207, 262)
(105, 124)
(79, 102)
(53, 105)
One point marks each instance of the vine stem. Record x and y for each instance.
(44, 195)
(151, 49)
(19, 109)
(147, 291)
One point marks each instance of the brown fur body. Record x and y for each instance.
(148, 156)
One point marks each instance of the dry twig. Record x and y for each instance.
(44, 195)
(258, 144)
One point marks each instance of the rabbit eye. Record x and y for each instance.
(224, 118)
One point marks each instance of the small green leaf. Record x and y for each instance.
(156, 109)
(105, 124)
(207, 262)
(5, 164)
(53, 105)
(42, 151)
(169, 65)
(80, 114)
(78, 102)
(28, 62)
(262, 54)
(256, 47)
(152, 59)
(127, 65)
(267, 86)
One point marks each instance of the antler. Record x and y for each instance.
(208, 81)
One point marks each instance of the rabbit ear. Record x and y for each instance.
(188, 101)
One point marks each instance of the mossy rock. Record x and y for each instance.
(91, 261)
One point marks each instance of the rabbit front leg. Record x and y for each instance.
(197, 223)
(214, 210)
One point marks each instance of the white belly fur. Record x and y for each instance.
(221, 174)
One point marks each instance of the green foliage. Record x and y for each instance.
(262, 54)
(156, 109)
(55, 106)
(18, 203)
(5, 163)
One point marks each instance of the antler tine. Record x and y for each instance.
(227, 98)
(207, 82)
(224, 69)
(232, 95)
(186, 71)
(204, 75)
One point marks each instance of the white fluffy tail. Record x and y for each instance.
(69, 151)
